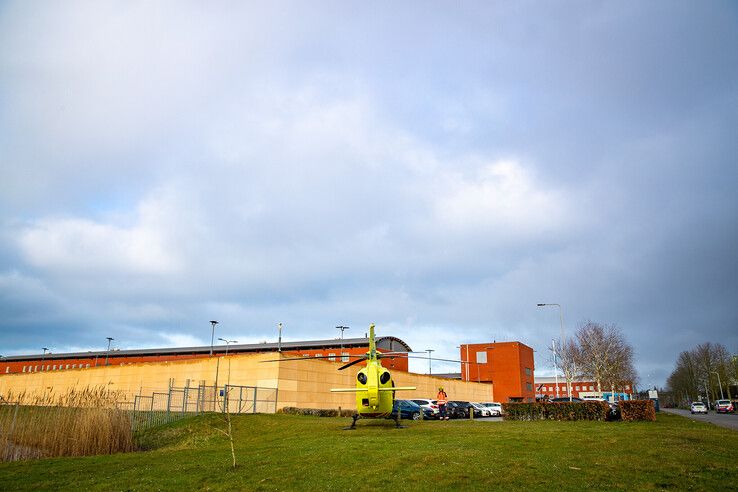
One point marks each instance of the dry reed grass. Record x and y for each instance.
(77, 423)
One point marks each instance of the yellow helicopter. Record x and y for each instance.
(375, 389)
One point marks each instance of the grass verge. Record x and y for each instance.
(285, 452)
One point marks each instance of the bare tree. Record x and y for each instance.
(704, 370)
(567, 355)
(604, 355)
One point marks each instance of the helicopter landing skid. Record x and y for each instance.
(353, 423)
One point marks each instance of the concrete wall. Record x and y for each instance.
(303, 383)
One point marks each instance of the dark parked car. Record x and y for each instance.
(410, 410)
(566, 398)
(458, 409)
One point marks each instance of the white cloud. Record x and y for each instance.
(502, 198)
(86, 247)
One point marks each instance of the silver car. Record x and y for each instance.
(429, 404)
(698, 407)
(495, 409)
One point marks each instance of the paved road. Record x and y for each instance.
(727, 420)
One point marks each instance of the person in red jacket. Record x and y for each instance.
(442, 399)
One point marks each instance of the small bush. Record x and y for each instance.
(586, 410)
(316, 412)
(637, 410)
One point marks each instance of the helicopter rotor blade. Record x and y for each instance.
(352, 363)
(316, 357)
(404, 355)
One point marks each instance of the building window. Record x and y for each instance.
(318, 355)
(35, 368)
(627, 387)
(48, 367)
(67, 367)
(24, 368)
(591, 388)
(7, 370)
(528, 386)
(55, 367)
(481, 357)
(344, 357)
(331, 356)
(74, 366)
(306, 355)
(527, 371)
(87, 365)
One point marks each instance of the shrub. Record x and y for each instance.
(316, 412)
(637, 410)
(587, 410)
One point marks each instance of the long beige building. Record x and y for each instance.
(303, 383)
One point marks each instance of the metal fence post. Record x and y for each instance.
(254, 399)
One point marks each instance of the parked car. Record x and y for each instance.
(458, 409)
(408, 410)
(698, 407)
(495, 409)
(565, 399)
(724, 406)
(480, 410)
(428, 404)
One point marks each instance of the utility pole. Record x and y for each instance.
(556, 368)
(719, 384)
(279, 340)
(212, 336)
(429, 360)
(108, 352)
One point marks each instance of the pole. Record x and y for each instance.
(719, 384)
(212, 336)
(556, 369)
(429, 360)
(108, 352)
(279, 341)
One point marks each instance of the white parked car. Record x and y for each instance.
(495, 409)
(429, 404)
(698, 407)
(481, 410)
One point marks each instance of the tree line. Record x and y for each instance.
(597, 352)
(706, 370)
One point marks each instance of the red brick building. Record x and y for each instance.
(509, 366)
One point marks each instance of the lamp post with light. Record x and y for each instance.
(110, 339)
(212, 336)
(429, 360)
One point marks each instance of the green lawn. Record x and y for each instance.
(282, 452)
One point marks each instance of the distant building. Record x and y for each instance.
(509, 366)
(580, 388)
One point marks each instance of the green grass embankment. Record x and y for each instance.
(283, 452)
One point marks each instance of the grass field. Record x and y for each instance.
(283, 452)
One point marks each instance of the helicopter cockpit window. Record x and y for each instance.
(361, 377)
(384, 378)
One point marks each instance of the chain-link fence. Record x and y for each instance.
(163, 407)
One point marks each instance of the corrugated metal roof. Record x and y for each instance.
(387, 343)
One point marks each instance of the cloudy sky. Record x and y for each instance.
(434, 168)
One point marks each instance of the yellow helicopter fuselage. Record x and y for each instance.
(374, 397)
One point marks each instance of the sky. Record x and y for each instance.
(436, 168)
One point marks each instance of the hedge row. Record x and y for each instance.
(586, 410)
(316, 412)
(637, 410)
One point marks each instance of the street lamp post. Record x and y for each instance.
(719, 384)
(279, 340)
(43, 357)
(429, 360)
(561, 317)
(212, 336)
(556, 368)
(227, 342)
(108, 352)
